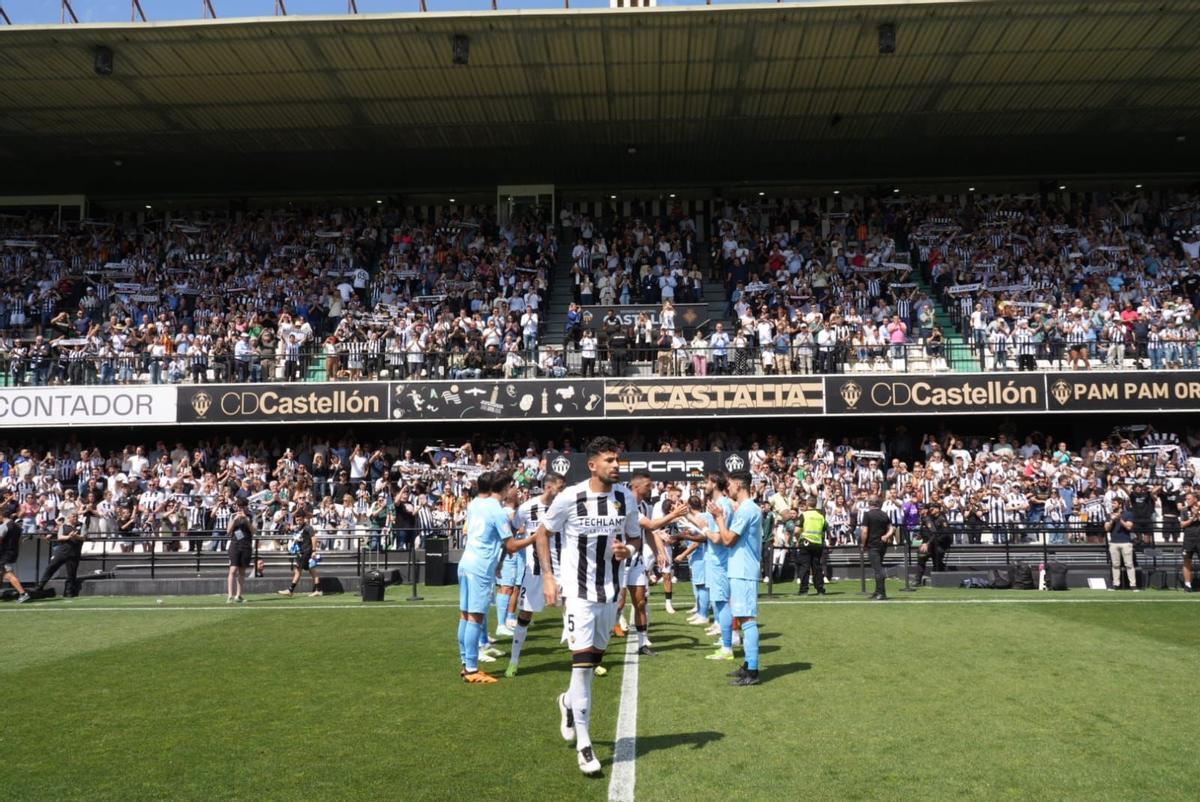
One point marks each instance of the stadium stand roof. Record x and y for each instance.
(666, 96)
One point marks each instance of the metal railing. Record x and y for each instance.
(606, 361)
(1077, 545)
(197, 550)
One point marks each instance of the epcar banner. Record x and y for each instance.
(347, 402)
(711, 396)
(673, 466)
(123, 405)
(949, 394)
(1089, 392)
(492, 399)
(687, 316)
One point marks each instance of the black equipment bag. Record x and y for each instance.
(1022, 577)
(1056, 575)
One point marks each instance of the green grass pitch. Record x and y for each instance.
(1080, 695)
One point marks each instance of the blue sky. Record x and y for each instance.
(47, 11)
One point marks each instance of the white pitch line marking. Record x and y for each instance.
(624, 769)
(907, 602)
(260, 607)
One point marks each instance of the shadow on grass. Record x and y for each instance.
(770, 672)
(652, 743)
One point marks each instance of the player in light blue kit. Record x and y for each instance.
(716, 558)
(742, 534)
(489, 536)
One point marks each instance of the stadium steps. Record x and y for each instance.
(714, 296)
(560, 298)
(960, 359)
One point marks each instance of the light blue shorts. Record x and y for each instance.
(718, 584)
(698, 572)
(474, 593)
(508, 572)
(743, 598)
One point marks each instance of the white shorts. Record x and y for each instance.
(589, 624)
(533, 597)
(635, 576)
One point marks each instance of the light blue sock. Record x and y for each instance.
(471, 643)
(462, 642)
(750, 643)
(501, 609)
(702, 602)
(725, 619)
(483, 630)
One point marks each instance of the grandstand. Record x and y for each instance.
(336, 268)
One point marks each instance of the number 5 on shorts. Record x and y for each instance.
(570, 623)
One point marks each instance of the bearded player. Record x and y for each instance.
(595, 519)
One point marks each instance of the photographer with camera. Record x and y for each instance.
(67, 550)
(932, 540)
(1120, 528)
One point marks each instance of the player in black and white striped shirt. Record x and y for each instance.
(595, 519)
(532, 596)
(651, 550)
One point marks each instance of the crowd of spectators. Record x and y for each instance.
(1113, 283)
(990, 489)
(265, 295)
(1028, 281)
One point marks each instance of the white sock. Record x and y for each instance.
(641, 638)
(579, 694)
(518, 640)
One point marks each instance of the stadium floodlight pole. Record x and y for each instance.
(135, 11)
(65, 11)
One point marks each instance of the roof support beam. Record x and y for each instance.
(206, 9)
(67, 11)
(351, 6)
(4, 16)
(135, 11)
(280, 9)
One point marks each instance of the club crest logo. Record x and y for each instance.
(852, 393)
(201, 404)
(1061, 392)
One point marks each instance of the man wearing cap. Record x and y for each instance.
(932, 539)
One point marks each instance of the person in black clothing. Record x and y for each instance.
(1191, 539)
(876, 532)
(1170, 496)
(10, 548)
(68, 548)
(404, 519)
(241, 550)
(305, 547)
(1141, 507)
(935, 537)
